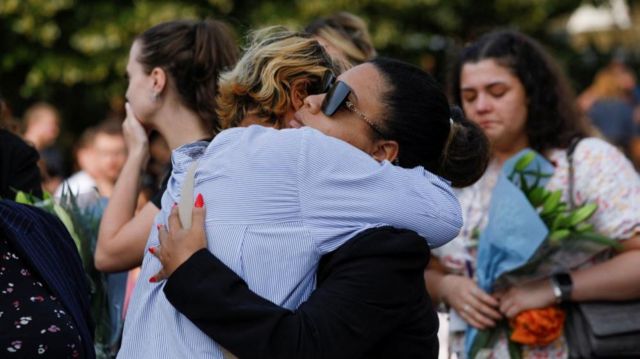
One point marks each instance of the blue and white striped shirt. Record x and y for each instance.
(276, 202)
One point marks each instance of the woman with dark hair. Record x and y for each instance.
(509, 86)
(371, 300)
(18, 162)
(173, 71)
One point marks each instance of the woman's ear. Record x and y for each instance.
(385, 150)
(299, 92)
(159, 77)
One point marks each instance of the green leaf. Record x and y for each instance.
(598, 238)
(552, 202)
(515, 349)
(561, 221)
(484, 339)
(524, 161)
(584, 227)
(536, 181)
(558, 235)
(537, 196)
(23, 198)
(523, 184)
(583, 213)
(68, 223)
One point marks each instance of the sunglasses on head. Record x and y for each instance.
(337, 95)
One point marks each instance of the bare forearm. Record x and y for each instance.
(119, 212)
(615, 279)
(433, 279)
(122, 203)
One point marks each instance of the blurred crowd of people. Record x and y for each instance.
(188, 82)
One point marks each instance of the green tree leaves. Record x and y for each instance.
(73, 53)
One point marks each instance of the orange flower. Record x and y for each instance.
(538, 326)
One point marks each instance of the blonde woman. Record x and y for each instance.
(277, 71)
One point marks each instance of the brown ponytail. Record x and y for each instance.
(193, 54)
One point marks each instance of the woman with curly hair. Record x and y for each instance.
(509, 85)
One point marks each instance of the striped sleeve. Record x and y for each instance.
(343, 191)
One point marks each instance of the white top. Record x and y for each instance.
(79, 183)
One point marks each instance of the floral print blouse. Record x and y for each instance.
(33, 323)
(602, 175)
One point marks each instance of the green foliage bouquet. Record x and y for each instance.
(571, 241)
(531, 234)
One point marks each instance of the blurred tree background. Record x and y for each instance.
(73, 53)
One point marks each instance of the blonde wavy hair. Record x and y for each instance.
(261, 82)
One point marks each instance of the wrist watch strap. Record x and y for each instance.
(563, 286)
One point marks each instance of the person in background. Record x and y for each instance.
(173, 70)
(44, 292)
(110, 153)
(493, 81)
(101, 154)
(345, 37)
(609, 103)
(42, 127)
(18, 169)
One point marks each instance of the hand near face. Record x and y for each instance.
(135, 135)
(474, 305)
(178, 244)
(538, 294)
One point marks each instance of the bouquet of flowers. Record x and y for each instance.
(81, 216)
(531, 234)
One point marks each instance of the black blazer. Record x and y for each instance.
(370, 302)
(18, 167)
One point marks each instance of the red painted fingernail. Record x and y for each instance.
(152, 280)
(158, 226)
(152, 250)
(199, 201)
(174, 205)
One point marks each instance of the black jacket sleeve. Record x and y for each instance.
(18, 167)
(370, 291)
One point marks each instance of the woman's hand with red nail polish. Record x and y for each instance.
(178, 244)
(199, 201)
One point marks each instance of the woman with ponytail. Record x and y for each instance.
(173, 72)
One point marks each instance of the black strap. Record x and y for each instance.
(570, 150)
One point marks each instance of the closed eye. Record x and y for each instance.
(469, 95)
(498, 90)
